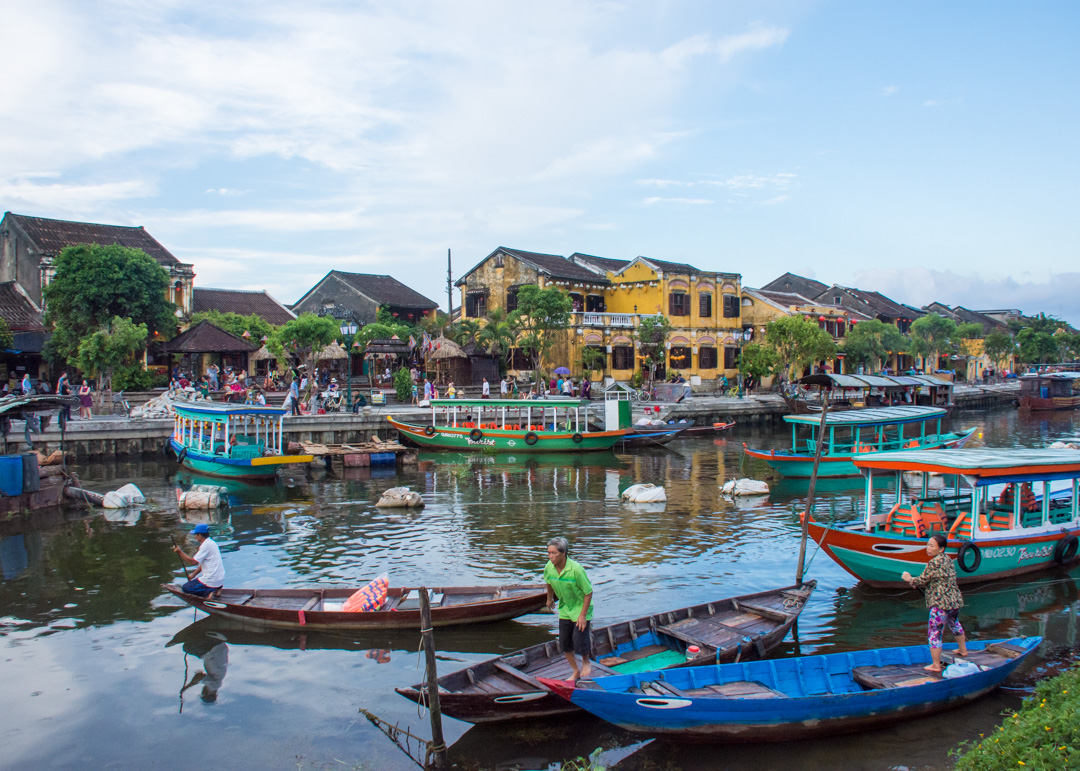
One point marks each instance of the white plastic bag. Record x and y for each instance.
(645, 493)
(745, 487)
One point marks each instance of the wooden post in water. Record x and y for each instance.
(810, 492)
(438, 745)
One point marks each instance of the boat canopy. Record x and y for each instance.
(871, 417)
(873, 381)
(221, 413)
(567, 403)
(980, 466)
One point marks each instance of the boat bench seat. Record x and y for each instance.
(739, 689)
(893, 676)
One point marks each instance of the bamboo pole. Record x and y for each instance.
(810, 492)
(438, 744)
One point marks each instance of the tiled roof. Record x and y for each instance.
(790, 282)
(385, 290)
(51, 236)
(965, 316)
(785, 299)
(602, 263)
(18, 310)
(672, 267)
(204, 337)
(242, 301)
(555, 266)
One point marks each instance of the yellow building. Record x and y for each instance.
(610, 298)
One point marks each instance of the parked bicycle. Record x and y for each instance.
(120, 405)
(645, 394)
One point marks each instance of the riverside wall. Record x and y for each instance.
(117, 437)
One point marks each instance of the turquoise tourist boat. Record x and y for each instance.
(509, 425)
(848, 434)
(1004, 512)
(243, 441)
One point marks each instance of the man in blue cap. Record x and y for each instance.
(209, 577)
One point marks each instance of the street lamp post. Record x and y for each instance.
(742, 337)
(348, 329)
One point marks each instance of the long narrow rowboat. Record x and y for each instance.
(507, 687)
(848, 434)
(320, 609)
(508, 425)
(803, 697)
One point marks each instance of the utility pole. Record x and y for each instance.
(449, 291)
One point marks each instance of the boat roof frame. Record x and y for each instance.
(567, 403)
(874, 416)
(982, 466)
(219, 412)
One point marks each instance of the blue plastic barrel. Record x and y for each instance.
(11, 475)
(378, 458)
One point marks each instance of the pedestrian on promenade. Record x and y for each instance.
(567, 582)
(485, 390)
(942, 597)
(294, 397)
(427, 389)
(86, 402)
(504, 389)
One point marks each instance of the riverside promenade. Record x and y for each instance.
(109, 437)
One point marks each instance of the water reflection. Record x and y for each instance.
(214, 653)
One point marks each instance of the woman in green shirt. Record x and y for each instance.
(566, 581)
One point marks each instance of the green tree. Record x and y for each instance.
(797, 343)
(1035, 346)
(381, 331)
(236, 324)
(93, 284)
(499, 334)
(304, 337)
(652, 335)
(468, 331)
(999, 346)
(112, 346)
(933, 336)
(593, 359)
(403, 385)
(544, 314)
(758, 361)
(869, 343)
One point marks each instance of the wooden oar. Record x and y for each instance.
(182, 565)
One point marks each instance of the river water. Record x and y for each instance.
(101, 669)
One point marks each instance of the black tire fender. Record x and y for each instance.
(531, 438)
(1065, 550)
(476, 434)
(429, 430)
(181, 455)
(578, 438)
(961, 557)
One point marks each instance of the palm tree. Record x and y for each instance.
(468, 331)
(500, 334)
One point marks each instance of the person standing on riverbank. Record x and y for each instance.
(86, 402)
(209, 577)
(942, 597)
(567, 582)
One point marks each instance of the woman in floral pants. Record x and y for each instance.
(942, 597)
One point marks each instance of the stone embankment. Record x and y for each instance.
(104, 438)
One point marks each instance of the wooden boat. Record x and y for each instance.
(796, 698)
(850, 392)
(858, 431)
(1056, 391)
(507, 687)
(650, 436)
(319, 609)
(231, 440)
(518, 425)
(996, 525)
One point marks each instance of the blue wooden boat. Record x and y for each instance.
(803, 697)
(242, 441)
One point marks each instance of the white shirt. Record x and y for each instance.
(487, 388)
(502, 387)
(209, 558)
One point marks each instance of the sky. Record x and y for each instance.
(925, 150)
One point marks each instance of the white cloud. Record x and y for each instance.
(889, 90)
(775, 200)
(689, 201)
(73, 199)
(933, 103)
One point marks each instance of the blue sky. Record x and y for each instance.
(926, 150)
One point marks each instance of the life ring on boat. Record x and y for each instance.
(429, 430)
(578, 438)
(961, 557)
(1065, 550)
(476, 434)
(531, 438)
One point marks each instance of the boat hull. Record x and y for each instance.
(801, 465)
(520, 599)
(491, 439)
(535, 700)
(1040, 404)
(248, 468)
(816, 710)
(880, 558)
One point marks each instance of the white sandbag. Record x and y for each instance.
(219, 489)
(745, 487)
(1064, 446)
(133, 493)
(646, 493)
(400, 498)
(114, 500)
(196, 500)
(643, 422)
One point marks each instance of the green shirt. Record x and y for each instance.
(570, 588)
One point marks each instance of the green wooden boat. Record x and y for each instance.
(509, 425)
(242, 441)
(857, 431)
